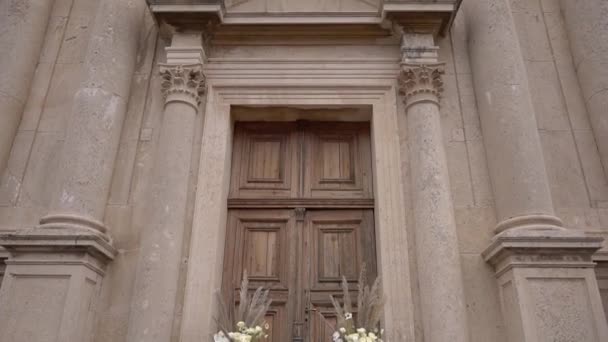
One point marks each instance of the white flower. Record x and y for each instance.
(361, 331)
(220, 337)
(266, 326)
(343, 330)
(348, 315)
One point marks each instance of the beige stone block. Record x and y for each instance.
(532, 32)
(564, 169)
(146, 51)
(599, 104)
(13, 174)
(138, 100)
(53, 39)
(39, 181)
(58, 106)
(603, 217)
(62, 299)
(115, 298)
(567, 75)
(36, 100)
(16, 218)
(459, 43)
(460, 179)
(122, 174)
(595, 177)
(465, 85)
(483, 308)
(594, 72)
(580, 218)
(475, 228)
(480, 178)
(76, 39)
(451, 118)
(118, 219)
(547, 96)
(445, 55)
(11, 115)
(61, 8)
(558, 36)
(550, 6)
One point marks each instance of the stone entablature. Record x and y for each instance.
(415, 15)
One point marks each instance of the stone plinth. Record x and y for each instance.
(548, 291)
(51, 284)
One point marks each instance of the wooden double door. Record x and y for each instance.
(300, 218)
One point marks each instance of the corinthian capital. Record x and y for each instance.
(185, 81)
(416, 80)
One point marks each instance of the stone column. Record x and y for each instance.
(98, 113)
(443, 308)
(547, 287)
(23, 25)
(156, 285)
(514, 152)
(587, 25)
(55, 270)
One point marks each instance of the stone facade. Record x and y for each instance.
(489, 129)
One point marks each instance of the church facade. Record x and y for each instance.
(153, 152)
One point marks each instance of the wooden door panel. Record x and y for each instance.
(322, 324)
(265, 161)
(260, 246)
(338, 161)
(262, 242)
(339, 241)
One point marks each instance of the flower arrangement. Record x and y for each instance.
(370, 304)
(243, 323)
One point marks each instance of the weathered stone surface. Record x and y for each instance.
(529, 69)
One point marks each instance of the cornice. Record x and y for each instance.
(414, 15)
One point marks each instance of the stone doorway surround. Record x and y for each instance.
(338, 88)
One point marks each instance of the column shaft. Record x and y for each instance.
(56, 269)
(547, 288)
(514, 154)
(98, 112)
(587, 25)
(156, 285)
(22, 29)
(439, 272)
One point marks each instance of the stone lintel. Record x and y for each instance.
(551, 248)
(47, 245)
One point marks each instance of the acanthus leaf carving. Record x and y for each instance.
(415, 79)
(185, 79)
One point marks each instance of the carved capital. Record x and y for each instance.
(421, 79)
(186, 81)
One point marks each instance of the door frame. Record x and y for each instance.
(225, 89)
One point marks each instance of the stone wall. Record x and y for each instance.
(578, 182)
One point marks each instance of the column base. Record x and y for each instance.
(74, 222)
(547, 285)
(51, 284)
